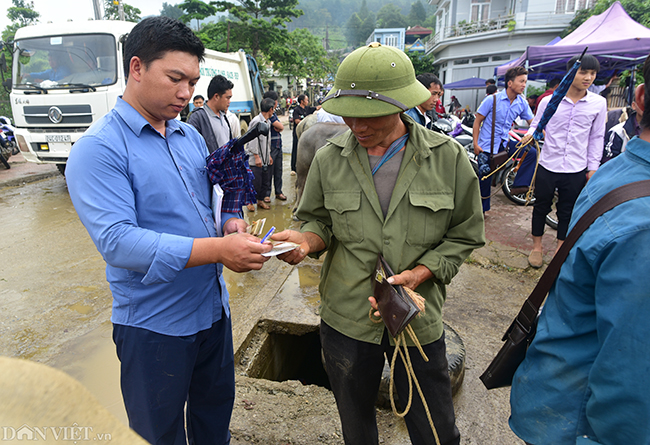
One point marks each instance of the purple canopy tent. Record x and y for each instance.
(613, 37)
(466, 84)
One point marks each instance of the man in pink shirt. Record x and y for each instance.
(572, 150)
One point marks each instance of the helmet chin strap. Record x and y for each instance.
(368, 95)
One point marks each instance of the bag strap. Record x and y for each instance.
(494, 120)
(528, 313)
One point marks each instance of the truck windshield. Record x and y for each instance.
(60, 61)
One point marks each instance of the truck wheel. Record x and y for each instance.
(61, 168)
(244, 126)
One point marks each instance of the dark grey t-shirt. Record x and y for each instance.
(386, 177)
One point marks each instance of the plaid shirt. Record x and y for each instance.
(228, 167)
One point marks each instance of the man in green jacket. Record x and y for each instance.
(388, 186)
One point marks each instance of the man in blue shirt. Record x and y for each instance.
(510, 104)
(139, 183)
(585, 376)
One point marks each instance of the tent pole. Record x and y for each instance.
(630, 92)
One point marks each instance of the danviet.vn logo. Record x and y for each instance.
(74, 433)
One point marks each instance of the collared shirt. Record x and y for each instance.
(324, 116)
(143, 198)
(419, 117)
(575, 134)
(260, 146)
(506, 114)
(220, 126)
(585, 376)
(434, 218)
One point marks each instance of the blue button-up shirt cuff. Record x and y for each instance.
(225, 216)
(171, 257)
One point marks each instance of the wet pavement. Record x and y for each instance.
(55, 302)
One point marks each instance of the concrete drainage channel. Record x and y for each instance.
(281, 352)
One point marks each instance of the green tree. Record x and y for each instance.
(360, 25)
(422, 63)
(390, 16)
(111, 11)
(417, 14)
(22, 12)
(171, 11)
(260, 24)
(303, 56)
(196, 10)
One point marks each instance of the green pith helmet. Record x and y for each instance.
(374, 81)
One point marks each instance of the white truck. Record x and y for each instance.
(67, 76)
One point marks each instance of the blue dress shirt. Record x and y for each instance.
(144, 198)
(506, 114)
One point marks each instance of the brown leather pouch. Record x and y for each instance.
(497, 159)
(397, 309)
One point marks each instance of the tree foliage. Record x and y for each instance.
(196, 10)
(390, 16)
(417, 14)
(360, 25)
(303, 56)
(421, 63)
(22, 13)
(260, 24)
(111, 12)
(171, 11)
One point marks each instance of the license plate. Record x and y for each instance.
(58, 138)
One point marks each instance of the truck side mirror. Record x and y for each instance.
(3, 63)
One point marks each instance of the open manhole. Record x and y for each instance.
(281, 352)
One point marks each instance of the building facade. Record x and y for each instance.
(474, 36)
(389, 37)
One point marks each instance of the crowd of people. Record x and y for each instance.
(388, 188)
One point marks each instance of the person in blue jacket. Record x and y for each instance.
(585, 377)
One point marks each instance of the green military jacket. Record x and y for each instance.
(434, 219)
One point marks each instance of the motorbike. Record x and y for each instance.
(5, 150)
(463, 134)
(8, 129)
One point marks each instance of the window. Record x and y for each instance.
(565, 6)
(480, 10)
(461, 62)
(480, 60)
(390, 40)
(497, 58)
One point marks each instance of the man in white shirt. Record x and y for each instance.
(260, 159)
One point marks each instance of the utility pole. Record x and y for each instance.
(98, 10)
(327, 38)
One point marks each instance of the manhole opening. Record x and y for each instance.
(282, 356)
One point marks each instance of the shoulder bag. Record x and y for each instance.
(496, 159)
(523, 328)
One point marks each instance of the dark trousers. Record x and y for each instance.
(262, 181)
(294, 150)
(160, 373)
(276, 168)
(568, 185)
(486, 185)
(354, 369)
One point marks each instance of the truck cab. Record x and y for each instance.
(64, 78)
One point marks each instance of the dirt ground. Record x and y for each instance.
(481, 302)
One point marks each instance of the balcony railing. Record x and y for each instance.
(511, 22)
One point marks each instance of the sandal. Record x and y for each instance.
(281, 197)
(267, 199)
(263, 205)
